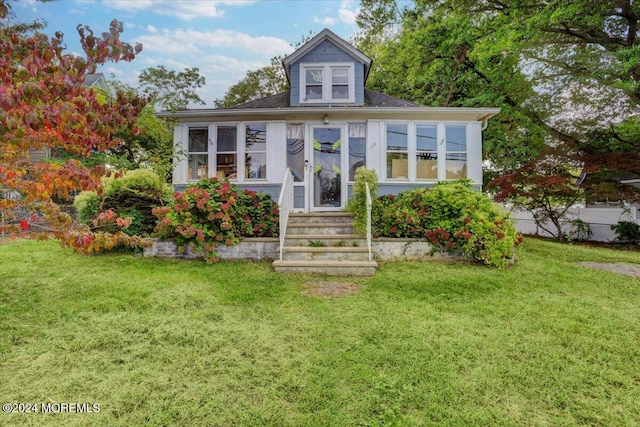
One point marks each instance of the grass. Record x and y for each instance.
(166, 342)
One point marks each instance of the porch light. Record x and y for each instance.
(326, 119)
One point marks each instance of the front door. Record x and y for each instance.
(326, 175)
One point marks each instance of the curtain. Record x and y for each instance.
(357, 130)
(295, 130)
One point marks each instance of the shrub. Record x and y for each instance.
(87, 204)
(134, 195)
(627, 231)
(212, 212)
(453, 217)
(358, 204)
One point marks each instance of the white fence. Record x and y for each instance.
(599, 220)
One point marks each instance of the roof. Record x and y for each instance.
(323, 35)
(91, 79)
(282, 100)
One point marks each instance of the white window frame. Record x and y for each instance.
(327, 82)
(188, 139)
(412, 150)
(215, 152)
(465, 152)
(245, 151)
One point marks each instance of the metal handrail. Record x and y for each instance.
(285, 206)
(369, 205)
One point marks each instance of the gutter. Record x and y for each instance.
(481, 114)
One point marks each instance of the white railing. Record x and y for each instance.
(285, 206)
(369, 204)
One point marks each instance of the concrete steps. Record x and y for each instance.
(324, 243)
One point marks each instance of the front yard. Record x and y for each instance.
(167, 342)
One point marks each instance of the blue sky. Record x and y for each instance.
(223, 38)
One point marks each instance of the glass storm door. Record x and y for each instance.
(326, 174)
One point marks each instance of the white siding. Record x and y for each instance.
(276, 151)
(180, 159)
(474, 152)
(374, 147)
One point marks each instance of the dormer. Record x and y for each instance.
(327, 71)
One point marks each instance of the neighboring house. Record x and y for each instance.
(97, 81)
(325, 127)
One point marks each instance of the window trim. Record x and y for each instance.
(412, 150)
(327, 82)
(189, 128)
(245, 151)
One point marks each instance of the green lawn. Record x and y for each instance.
(165, 342)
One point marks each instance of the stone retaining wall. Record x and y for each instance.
(256, 249)
(253, 249)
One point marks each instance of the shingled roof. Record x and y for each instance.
(281, 100)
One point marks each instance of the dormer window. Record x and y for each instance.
(326, 83)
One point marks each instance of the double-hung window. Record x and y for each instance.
(456, 145)
(427, 152)
(397, 151)
(255, 151)
(227, 152)
(198, 155)
(325, 83)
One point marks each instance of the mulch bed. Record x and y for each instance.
(632, 270)
(330, 289)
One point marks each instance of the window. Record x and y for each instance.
(426, 152)
(255, 156)
(456, 139)
(327, 83)
(226, 152)
(198, 156)
(295, 150)
(339, 83)
(397, 151)
(357, 148)
(313, 86)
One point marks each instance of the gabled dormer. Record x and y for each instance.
(327, 71)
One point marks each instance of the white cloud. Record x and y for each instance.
(221, 63)
(152, 29)
(327, 20)
(195, 42)
(347, 16)
(183, 9)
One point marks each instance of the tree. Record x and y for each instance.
(531, 58)
(46, 106)
(171, 90)
(266, 81)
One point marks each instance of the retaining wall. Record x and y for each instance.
(256, 249)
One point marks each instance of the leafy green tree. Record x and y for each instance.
(559, 70)
(266, 81)
(171, 90)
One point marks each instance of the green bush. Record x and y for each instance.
(453, 217)
(212, 212)
(627, 231)
(358, 203)
(87, 204)
(134, 195)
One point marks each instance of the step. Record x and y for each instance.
(330, 268)
(318, 217)
(320, 228)
(345, 253)
(292, 239)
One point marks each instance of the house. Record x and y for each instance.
(324, 128)
(96, 81)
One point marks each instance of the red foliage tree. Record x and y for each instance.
(545, 186)
(45, 105)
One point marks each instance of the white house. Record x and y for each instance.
(325, 127)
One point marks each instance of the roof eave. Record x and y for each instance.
(479, 114)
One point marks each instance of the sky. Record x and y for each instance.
(223, 38)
